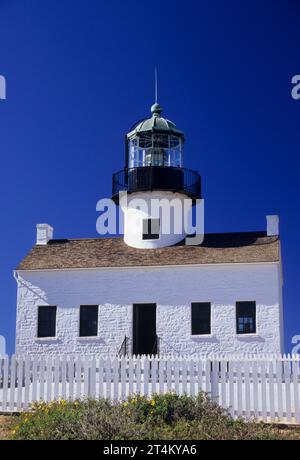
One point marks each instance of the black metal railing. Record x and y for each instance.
(147, 178)
(123, 351)
(155, 349)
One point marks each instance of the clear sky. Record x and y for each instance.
(80, 73)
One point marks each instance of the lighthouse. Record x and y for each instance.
(146, 292)
(160, 191)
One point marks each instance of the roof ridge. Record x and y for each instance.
(251, 232)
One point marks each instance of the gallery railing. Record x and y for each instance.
(149, 178)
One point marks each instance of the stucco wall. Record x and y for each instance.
(171, 288)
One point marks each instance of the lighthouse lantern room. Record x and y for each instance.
(154, 171)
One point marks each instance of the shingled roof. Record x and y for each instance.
(217, 248)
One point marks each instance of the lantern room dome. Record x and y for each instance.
(156, 123)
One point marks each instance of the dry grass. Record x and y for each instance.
(5, 424)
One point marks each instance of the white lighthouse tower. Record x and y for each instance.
(156, 183)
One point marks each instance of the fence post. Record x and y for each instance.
(214, 379)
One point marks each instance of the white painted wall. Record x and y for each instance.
(172, 288)
(169, 234)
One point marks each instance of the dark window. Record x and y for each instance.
(245, 317)
(46, 321)
(151, 229)
(88, 321)
(200, 318)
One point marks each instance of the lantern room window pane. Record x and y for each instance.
(88, 321)
(246, 317)
(46, 321)
(155, 150)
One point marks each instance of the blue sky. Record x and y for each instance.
(80, 73)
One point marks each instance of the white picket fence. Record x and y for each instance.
(261, 387)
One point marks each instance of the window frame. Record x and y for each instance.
(237, 316)
(45, 337)
(79, 322)
(150, 236)
(201, 334)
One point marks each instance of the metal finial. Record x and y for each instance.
(156, 108)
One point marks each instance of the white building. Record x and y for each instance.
(149, 292)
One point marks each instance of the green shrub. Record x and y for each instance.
(163, 417)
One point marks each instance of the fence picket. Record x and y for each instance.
(153, 375)
(223, 383)
(12, 383)
(296, 390)
(63, 365)
(199, 379)
(108, 378)
(263, 391)
(162, 376)
(27, 380)
(287, 378)
(123, 378)
(116, 378)
(207, 376)
(247, 389)
(42, 379)
(20, 364)
(78, 378)
(130, 377)
(49, 377)
(138, 375)
(100, 382)
(56, 378)
(92, 378)
(35, 363)
(3, 403)
(239, 384)
(184, 378)
(146, 375)
(191, 369)
(169, 375)
(231, 403)
(86, 369)
(70, 372)
(279, 378)
(271, 391)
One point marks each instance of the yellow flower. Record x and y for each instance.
(152, 402)
(76, 403)
(125, 404)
